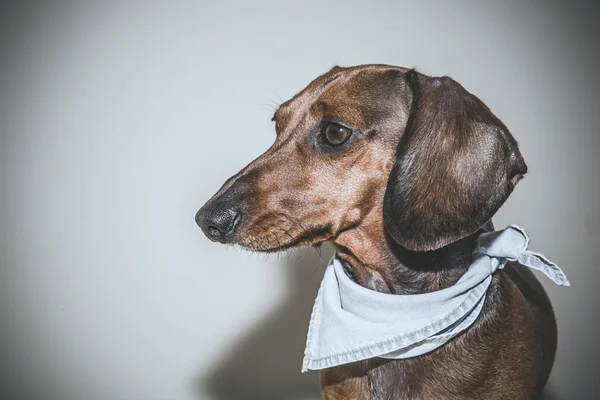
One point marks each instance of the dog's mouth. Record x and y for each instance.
(280, 234)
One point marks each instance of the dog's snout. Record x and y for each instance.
(218, 222)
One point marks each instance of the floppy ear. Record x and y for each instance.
(455, 166)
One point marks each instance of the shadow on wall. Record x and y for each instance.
(265, 364)
(549, 393)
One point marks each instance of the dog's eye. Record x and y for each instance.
(336, 134)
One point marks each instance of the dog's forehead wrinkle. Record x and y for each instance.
(319, 106)
(311, 97)
(335, 97)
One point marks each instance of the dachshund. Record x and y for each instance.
(401, 172)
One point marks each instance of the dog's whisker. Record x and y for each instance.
(303, 255)
(270, 107)
(295, 221)
(278, 96)
(277, 238)
(318, 250)
(268, 246)
(289, 253)
(315, 269)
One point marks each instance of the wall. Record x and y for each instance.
(119, 121)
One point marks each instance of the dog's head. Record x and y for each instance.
(422, 157)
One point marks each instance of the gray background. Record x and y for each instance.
(118, 121)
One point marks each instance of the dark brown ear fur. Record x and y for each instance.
(455, 166)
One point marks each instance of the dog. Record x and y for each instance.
(401, 172)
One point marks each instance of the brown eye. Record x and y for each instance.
(336, 134)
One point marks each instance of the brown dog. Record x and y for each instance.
(400, 171)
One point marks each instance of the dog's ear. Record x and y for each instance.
(455, 166)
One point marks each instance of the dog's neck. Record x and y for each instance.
(374, 260)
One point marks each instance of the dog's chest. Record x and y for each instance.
(378, 379)
(394, 379)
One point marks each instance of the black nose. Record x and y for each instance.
(217, 222)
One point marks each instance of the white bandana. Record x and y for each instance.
(352, 323)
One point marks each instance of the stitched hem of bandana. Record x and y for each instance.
(441, 338)
(393, 344)
(311, 327)
(539, 262)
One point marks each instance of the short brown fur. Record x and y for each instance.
(298, 194)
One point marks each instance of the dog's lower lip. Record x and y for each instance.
(322, 234)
